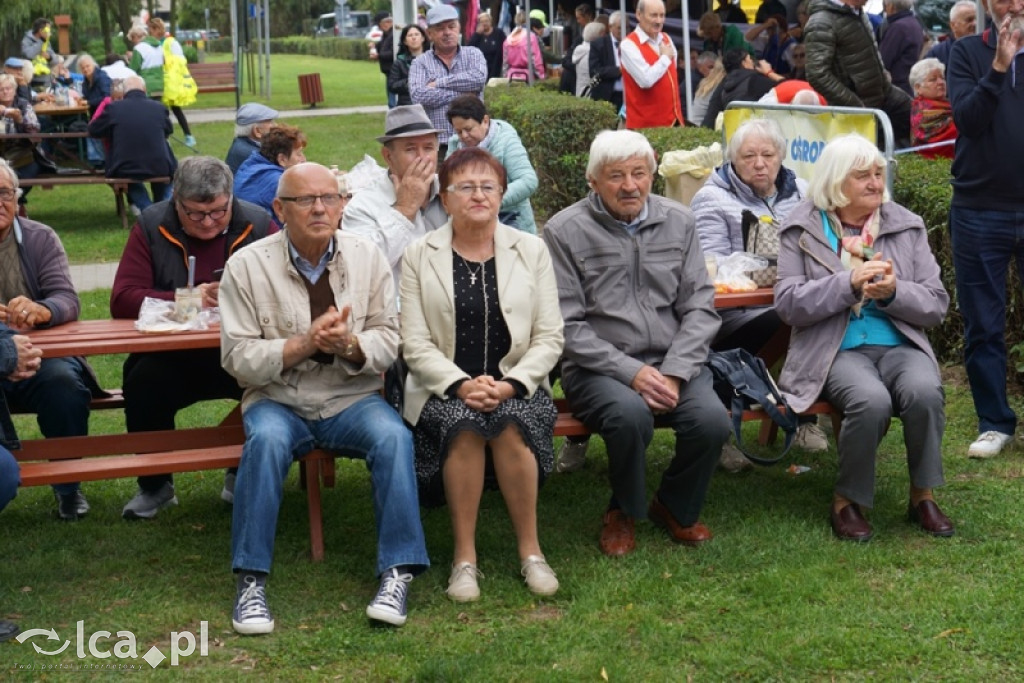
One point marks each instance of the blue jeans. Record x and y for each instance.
(9, 477)
(59, 396)
(371, 430)
(984, 242)
(138, 196)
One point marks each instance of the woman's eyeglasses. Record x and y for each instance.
(469, 189)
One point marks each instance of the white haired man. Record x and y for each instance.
(649, 80)
(639, 318)
(963, 18)
(252, 122)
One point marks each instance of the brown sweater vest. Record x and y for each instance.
(321, 297)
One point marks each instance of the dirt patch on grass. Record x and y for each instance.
(955, 376)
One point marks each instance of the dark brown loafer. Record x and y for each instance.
(849, 524)
(618, 537)
(929, 517)
(692, 535)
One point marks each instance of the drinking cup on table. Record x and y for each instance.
(711, 261)
(187, 303)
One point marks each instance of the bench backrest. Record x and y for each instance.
(213, 74)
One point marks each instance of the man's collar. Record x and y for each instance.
(644, 36)
(299, 258)
(640, 217)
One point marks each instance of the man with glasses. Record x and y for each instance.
(205, 221)
(308, 326)
(445, 71)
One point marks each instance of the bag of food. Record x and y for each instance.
(733, 269)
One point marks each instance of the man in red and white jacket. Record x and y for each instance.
(649, 81)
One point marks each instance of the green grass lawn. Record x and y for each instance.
(773, 597)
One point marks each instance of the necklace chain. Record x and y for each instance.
(483, 290)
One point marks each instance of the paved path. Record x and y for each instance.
(101, 275)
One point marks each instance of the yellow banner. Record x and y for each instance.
(806, 133)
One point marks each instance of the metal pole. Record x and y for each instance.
(266, 43)
(688, 74)
(235, 53)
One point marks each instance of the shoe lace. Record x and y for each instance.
(393, 588)
(253, 600)
(465, 568)
(537, 563)
(989, 436)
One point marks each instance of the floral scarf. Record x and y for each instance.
(853, 250)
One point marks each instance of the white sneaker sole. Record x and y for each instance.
(385, 616)
(252, 629)
(148, 514)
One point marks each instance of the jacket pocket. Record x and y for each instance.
(276, 321)
(605, 274)
(661, 272)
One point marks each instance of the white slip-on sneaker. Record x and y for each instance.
(989, 444)
(540, 577)
(462, 585)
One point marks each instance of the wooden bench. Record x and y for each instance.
(118, 185)
(566, 423)
(214, 76)
(114, 456)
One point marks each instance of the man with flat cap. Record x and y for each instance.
(404, 205)
(252, 122)
(445, 71)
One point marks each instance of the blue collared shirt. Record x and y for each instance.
(309, 271)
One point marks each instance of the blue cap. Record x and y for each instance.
(254, 112)
(14, 62)
(438, 14)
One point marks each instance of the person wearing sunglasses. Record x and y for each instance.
(202, 220)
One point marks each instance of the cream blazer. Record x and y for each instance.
(529, 304)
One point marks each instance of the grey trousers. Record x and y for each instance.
(870, 384)
(625, 422)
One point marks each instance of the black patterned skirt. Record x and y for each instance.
(442, 420)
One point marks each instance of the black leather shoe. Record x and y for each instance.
(849, 524)
(929, 517)
(8, 629)
(71, 506)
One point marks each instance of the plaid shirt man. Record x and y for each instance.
(434, 85)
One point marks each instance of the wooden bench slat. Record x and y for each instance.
(119, 466)
(70, 447)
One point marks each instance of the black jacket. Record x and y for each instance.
(602, 63)
(843, 63)
(739, 85)
(386, 51)
(138, 128)
(398, 79)
(168, 244)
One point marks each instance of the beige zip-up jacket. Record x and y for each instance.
(263, 302)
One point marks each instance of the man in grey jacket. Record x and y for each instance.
(639, 318)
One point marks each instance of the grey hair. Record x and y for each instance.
(86, 59)
(592, 31)
(611, 146)
(900, 5)
(922, 69)
(4, 78)
(137, 33)
(202, 179)
(959, 5)
(134, 83)
(707, 58)
(766, 129)
(5, 168)
(805, 97)
(244, 130)
(841, 157)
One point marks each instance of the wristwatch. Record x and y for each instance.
(350, 348)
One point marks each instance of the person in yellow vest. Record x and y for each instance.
(649, 81)
(35, 47)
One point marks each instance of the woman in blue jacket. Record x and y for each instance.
(257, 177)
(474, 128)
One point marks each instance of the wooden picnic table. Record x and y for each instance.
(54, 109)
(101, 337)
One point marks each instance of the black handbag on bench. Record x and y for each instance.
(742, 382)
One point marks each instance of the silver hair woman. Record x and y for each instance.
(859, 285)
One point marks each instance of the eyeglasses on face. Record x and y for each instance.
(7, 194)
(200, 216)
(469, 189)
(307, 201)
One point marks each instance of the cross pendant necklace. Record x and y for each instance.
(472, 274)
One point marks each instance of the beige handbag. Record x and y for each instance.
(761, 237)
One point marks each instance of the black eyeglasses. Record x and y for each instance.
(307, 201)
(200, 216)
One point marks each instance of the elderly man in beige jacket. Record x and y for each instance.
(308, 324)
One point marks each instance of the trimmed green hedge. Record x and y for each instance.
(331, 48)
(557, 130)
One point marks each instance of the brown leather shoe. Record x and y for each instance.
(692, 535)
(849, 524)
(930, 518)
(617, 535)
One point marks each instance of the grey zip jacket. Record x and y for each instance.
(632, 300)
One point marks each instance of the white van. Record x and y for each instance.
(357, 25)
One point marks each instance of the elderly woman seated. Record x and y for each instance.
(931, 116)
(474, 128)
(752, 186)
(859, 285)
(481, 329)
